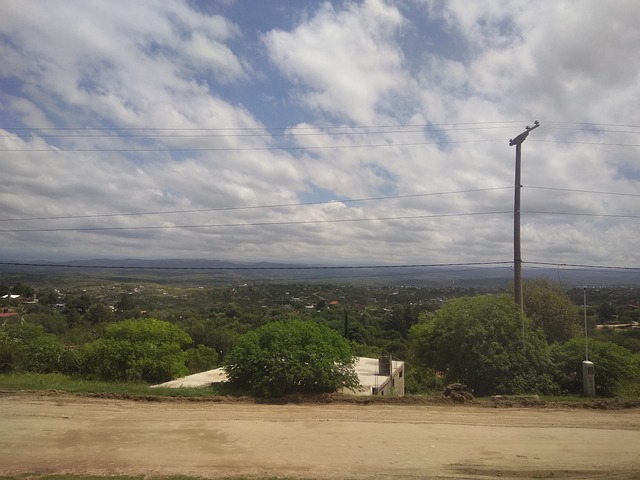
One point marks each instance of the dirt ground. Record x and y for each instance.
(68, 434)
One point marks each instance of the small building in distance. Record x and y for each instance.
(7, 313)
(383, 376)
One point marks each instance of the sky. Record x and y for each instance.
(337, 133)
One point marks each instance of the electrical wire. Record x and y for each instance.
(595, 130)
(305, 222)
(242, 149)
(595, 125)
(607, 215)
(326, 130)
(251, 207)
(603, 144)
(293, 148)
(255, 224)
(508, 123)
(292, 133)
(180, 134)
(262, 267)
(495, 264)
(573, 190)
(579, 265)
(300, 204)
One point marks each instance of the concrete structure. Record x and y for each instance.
(383, 376)
(202, 379)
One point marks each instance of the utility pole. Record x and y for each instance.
(588, 369)
(517, 255)
(586, 336)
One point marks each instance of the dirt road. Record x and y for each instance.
(55, 434)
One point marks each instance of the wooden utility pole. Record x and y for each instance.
(517, 255)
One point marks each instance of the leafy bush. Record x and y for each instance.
(201, 359)
(479, 341)
(145, 349)
(420, 380)
(550, 309)
(614, 365)
(281, 358)
(29, 348)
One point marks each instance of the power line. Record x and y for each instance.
(240, 149)
(595, 130)
(291, 148)
(250, 207)
(301, 222)
(578, 265)
(255, 224)
(204, 134)
(582, 191)
(581, 214)
(604, 144)
(323, 131)
(288, 267)
(150, 133)
(300, 204)
(497, 264)
(591, 124)
(598, 127)
(262, 128)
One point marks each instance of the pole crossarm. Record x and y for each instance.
(523, 136)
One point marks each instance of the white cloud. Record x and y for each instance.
(168, 66)
(346, 62)
(119, 63)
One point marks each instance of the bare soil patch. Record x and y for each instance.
(328, 437)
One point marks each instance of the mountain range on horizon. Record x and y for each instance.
(228, 271)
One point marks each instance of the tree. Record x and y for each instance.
(25, 291)
(221, 339)
(479, 341)
(79, 304)
(550, 308)
(201, 358)
(142, 349)
(49, 318)
(420, 380)
(613, 365)
(47, 297)
(99, 313)
(606, 312)
(29, 348)
(282, 358)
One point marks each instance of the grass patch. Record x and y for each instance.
(630, 390)
(56, 382)
(64, 383)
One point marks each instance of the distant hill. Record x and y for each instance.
(194, 271)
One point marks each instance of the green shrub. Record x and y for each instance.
(614, 366)
(282, 358)
(201, 358)
(420, 380)
(479, 341)
(29, 348)
(145, 349)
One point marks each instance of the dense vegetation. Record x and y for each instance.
(151, 332)
(479, 341)
(281, 358)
